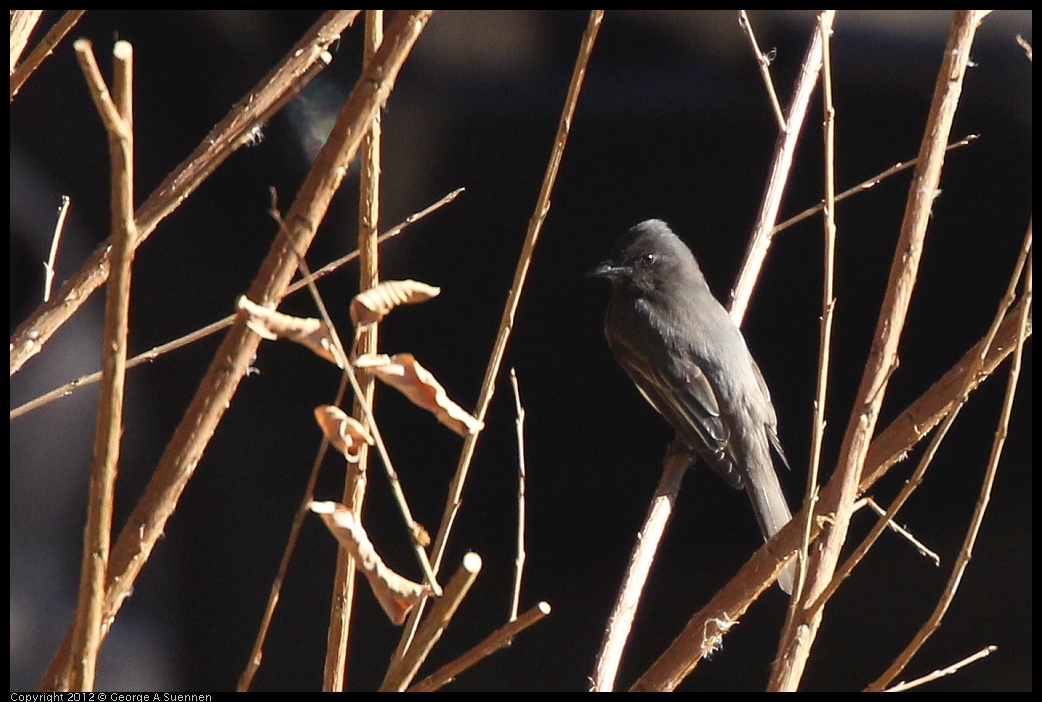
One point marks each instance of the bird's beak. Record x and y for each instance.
(607, 270)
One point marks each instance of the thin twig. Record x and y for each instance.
(838, 499)
(157, 351)
(781, 163)
(342, 603)
(99, 92)
(943, 672)
(898, 529)
(998, 442)
(89, 622)
(506, 323)
(765, 68)
(44, 49)
(863, 186)
(48, 267)
(519, 559)
(233, 357)
(498, 639)
(907, 489)
(828, 301)
(284, 81)
(402, 671)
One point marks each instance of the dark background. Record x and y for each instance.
(673, 123)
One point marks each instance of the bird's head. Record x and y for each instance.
(645, 257)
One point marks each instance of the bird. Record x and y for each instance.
(690, 361)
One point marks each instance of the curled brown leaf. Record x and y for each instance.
(371, 305)
(404, 373)
(346, 434)
(395, 593)
(310, 332)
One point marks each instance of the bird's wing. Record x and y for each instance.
(681, 393)
(772, 419)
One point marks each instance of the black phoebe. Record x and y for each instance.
(689, 360)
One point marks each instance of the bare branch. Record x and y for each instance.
(59, 227)
(764, 63)
(44, 49)
(498, 639)
(402, 671)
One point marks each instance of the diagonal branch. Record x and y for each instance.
(44, 49)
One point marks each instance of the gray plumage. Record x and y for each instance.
(690, 361)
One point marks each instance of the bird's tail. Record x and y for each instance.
(772, 512)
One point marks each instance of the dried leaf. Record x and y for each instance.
(396, 594)
(420, 535)
(308, 331)
(371, 305)
(405, 374)
(345, 433)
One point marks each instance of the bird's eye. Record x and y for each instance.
(648, 258)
